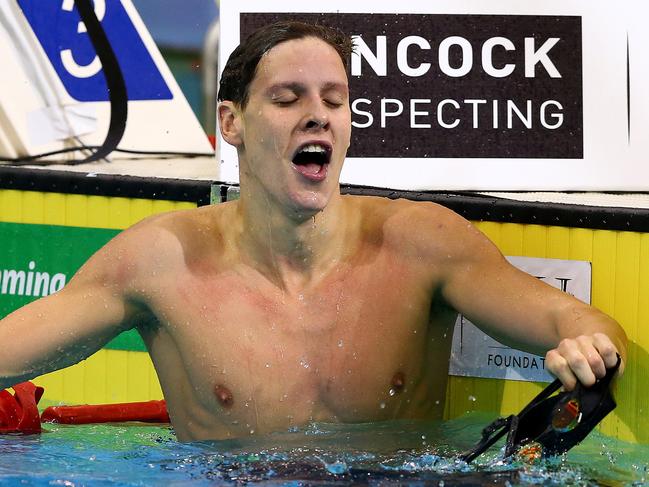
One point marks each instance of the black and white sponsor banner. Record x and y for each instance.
(475, 354)
(497, 95)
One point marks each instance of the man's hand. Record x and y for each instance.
(584, 359)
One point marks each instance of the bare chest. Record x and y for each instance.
(352, 349)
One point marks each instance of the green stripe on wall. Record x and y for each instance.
(36, 260)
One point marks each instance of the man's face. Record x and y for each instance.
(296, 128)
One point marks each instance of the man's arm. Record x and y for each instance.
(579, 341)
(70, 325)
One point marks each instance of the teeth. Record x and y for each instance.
(313, 148)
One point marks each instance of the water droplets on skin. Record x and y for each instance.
(340, 343)
(304, 363)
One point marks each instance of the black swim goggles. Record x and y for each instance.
(550, 425)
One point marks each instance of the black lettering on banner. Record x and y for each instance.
(460, 86)
(516, 361)
(563, 281)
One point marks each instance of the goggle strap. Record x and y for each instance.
(490, 435)
(541, 396)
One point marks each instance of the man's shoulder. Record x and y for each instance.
(170, 237)
(181, 222)
(416, 228)
(404, 212)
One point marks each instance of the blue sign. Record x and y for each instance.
(63, 36)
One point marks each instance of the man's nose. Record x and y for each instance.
(317, 122)
(316, 117)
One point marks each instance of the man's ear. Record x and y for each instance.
(230, 118)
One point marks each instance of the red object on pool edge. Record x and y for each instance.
(19, 412)
(149, 412)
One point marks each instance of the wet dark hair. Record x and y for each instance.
(242, 65)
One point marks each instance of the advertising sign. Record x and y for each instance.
(38, 260)
(483, 95)
(475, 354)
(73, 56)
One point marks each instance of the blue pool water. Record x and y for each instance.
(394, 453)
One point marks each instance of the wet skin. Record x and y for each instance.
(310, 329)
(294, 303)
(236, 354)
(298, 96)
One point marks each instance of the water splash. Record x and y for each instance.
(388, 453)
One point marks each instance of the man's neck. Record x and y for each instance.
(293, 250)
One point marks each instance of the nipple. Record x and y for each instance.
(224, 396)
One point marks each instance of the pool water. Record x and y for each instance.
(392, 453)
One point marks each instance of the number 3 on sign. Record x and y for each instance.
(67, 58)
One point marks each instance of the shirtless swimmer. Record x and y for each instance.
(294, 303)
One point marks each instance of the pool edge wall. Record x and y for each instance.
(51, 199)
(614, 240)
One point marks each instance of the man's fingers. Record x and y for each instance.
(595, 360)
(558, 366)
(607, 350)
(571, 365)
(584, 359)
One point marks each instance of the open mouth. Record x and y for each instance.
(311, 160)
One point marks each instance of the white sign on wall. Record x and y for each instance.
(498, 95)
(475, 354)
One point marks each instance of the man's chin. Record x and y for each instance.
(307, 204)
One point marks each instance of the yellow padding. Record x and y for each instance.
(108, 376)
(80, 210)
(620, 286)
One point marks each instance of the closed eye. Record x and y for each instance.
(334, 103)
(284, 102)
(283, 97)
